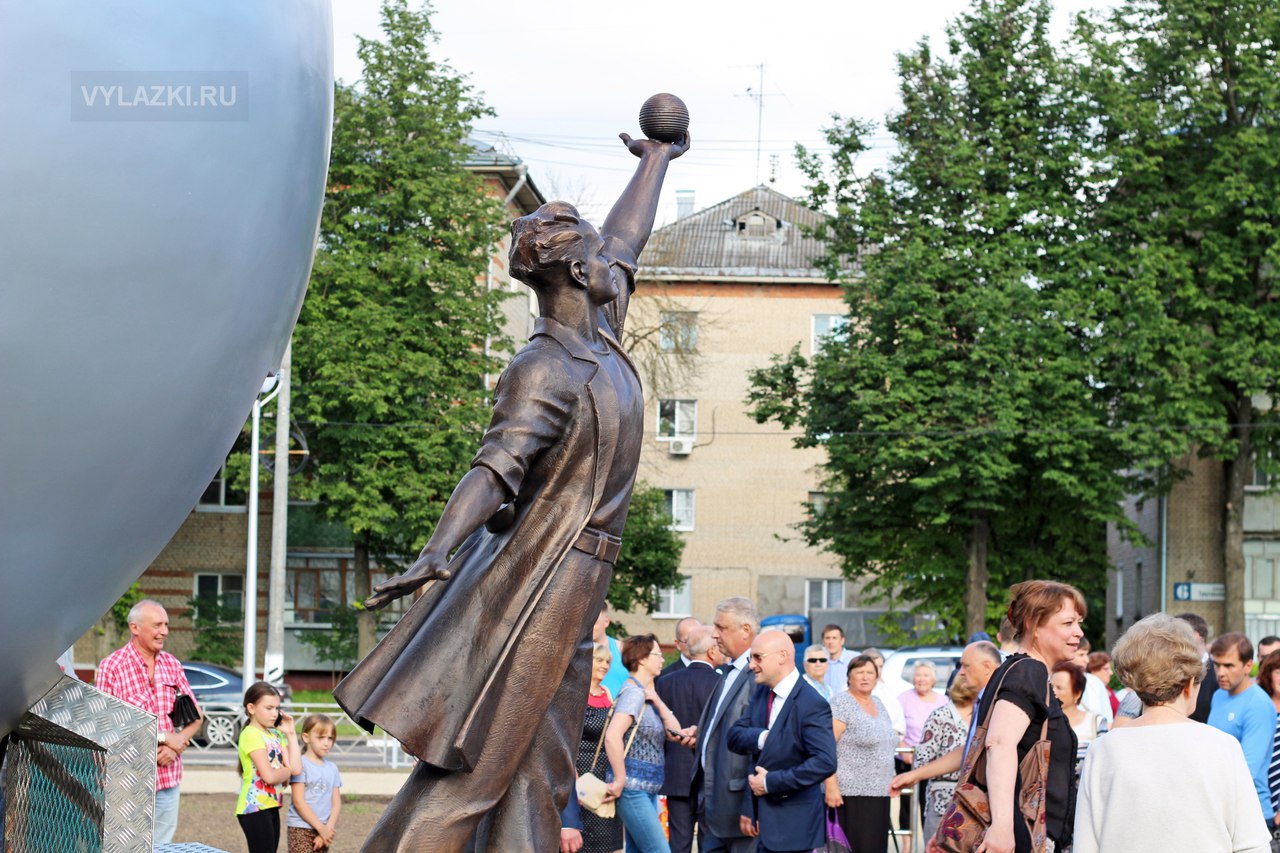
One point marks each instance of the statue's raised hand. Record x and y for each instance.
(640, 147)
(428, 567)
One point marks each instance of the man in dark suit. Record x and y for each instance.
(1210, 684)
(787, 731)
(686, 693)
(683, 629)
(720, 776)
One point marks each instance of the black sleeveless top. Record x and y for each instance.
(1025, 685)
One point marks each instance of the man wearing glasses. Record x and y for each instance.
(787, 730)
(816, 661)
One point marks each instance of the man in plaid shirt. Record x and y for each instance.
(146, 676)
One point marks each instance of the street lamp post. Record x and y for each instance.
(269, 387)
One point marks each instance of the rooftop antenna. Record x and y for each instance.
(773, 168)
(759, 96)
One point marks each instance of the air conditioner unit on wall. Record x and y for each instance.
(680, 446)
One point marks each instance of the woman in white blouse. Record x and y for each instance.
(1164, 781)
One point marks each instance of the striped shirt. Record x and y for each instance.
(1273, 771)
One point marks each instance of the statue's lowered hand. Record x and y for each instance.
(428, 567)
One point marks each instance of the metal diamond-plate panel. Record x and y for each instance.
(81, 759)
(55, 799)
(187, 847)
(131, 792)
(90, 713)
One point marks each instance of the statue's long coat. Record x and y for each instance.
(435, 680)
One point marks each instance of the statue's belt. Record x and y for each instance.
(597, 543)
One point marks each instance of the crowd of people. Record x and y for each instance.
(1168, 740)
(754, 750)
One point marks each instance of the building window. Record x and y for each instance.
(676, 600)
(824, 326)
(677, 418)
(826, 594)
(317, 585)
(1259, 577)
(219, 496)
(1119, 590)
(680, 508)
(757, 226)
(1259, 480)
(678, 331)
(227, 590)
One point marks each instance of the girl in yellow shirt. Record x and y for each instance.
(269, 756)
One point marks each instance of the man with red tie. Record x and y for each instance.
(787, 729)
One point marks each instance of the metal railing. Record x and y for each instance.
(223, 723)
(911, 831)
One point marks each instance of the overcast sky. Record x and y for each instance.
(565, 78)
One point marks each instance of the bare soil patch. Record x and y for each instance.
(211, 819)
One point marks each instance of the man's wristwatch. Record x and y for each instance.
(162, 737)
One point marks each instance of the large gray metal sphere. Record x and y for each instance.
(155, 244)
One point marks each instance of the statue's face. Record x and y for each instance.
(602, 281)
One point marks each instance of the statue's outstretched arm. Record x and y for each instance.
(631, 219)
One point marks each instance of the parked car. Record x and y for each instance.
(899, 666)
(219, 692)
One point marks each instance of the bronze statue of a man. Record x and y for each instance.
(484, 679)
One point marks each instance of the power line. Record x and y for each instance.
(938, 433)
(611, 142)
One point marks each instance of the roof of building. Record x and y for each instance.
(760, 233)
(509, 169)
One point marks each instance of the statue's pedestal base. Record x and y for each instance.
(80, 775)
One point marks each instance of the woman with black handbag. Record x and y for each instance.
(1025, 761)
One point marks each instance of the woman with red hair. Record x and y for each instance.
(1017, 706)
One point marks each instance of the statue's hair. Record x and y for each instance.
(549, 237)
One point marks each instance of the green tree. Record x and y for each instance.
(1188, 100)
(388, 361)
(119, 612)
(217, 630)
(972, 441)
(337, 645)
(650, 555)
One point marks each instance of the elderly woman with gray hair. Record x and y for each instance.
(1165, 781)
